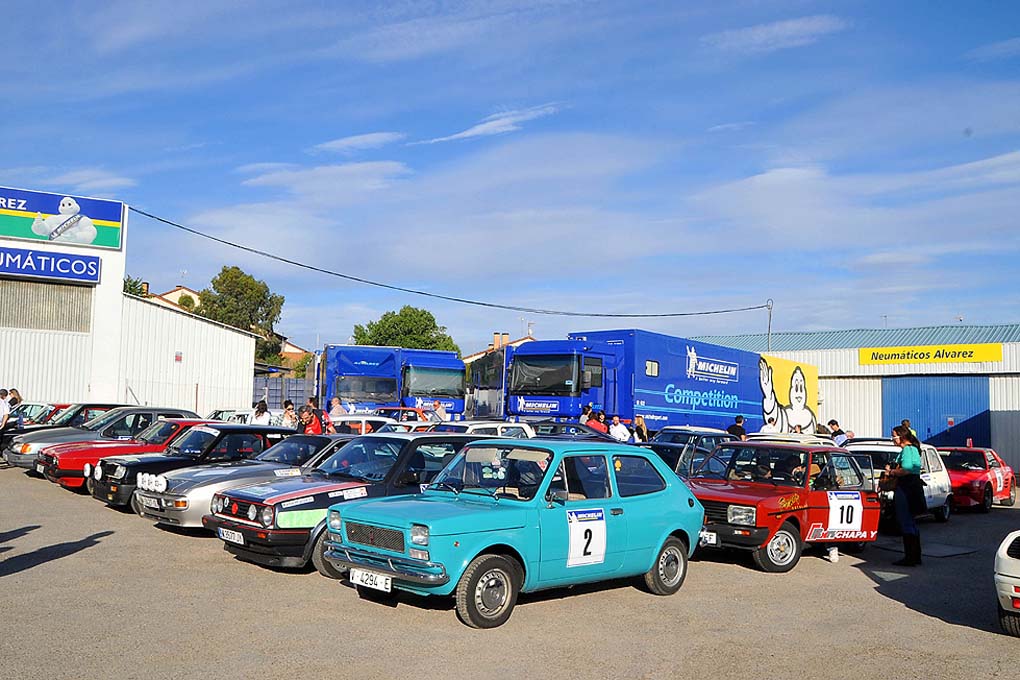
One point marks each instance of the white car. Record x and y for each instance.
(938, 488)
(1007, 583)
(498, 428)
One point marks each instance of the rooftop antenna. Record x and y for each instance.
(885, 321)
(959, 318)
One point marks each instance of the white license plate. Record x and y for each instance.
(370, 579)
(40, 468)
(149, 502)
(708, 538)
(232, 536)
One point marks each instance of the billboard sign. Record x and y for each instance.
(44, 264)
(59, 218)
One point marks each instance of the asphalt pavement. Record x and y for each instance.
(90, 591)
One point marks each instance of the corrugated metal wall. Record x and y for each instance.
(929, 402)
(45, 306)
(46, 365)
(1004, 398)
(215, 367)
(855, 402)
(846, 362)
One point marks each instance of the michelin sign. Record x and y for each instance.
(57, 218)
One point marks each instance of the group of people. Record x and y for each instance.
(8, 400)
(615, 428)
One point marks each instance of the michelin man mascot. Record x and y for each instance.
(70, 226)
(787, 417)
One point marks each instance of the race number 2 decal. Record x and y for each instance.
(587, 532)
(845, 511)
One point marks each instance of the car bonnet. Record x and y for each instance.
(443, 513)
(288, 490)
(186, 479)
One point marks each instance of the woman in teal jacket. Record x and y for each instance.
(909, 495)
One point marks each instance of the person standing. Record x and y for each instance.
(640, 429)
(618, 430)
(308, 421)
(322, 416)
(598, 422)
(261, 415)
(906, 423)
(586, 414)
(290, 418)
(336, 408)
(770, 427)
(908, 498)
(5, 408)
(440, 410)
(838, 435)
(737, 428)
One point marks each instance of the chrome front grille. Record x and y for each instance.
(366, 534)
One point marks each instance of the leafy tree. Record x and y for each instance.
(187, 302)
(134, 286)
(242, 301)
(301, 366)
(410, 327)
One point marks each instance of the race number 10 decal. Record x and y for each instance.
(845, 511)
(587, 531)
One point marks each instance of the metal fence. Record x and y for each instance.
(275, 390)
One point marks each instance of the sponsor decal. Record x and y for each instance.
(525, 404)
(58, 218)
(791, 502)
(287, 472)
(261, 491)
(297, 501)
(585, 516)
(697, 398)
(819, 533)
(38, 264)
(709, 369)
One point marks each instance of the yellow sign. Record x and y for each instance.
(789, 393)
(931, 354)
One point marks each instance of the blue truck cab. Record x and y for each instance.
(507, 516)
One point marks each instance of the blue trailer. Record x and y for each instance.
(367, 377)
(668, 380)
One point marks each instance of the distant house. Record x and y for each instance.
(172, 298)
(499, 340)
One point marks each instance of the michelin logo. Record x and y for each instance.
(524, 405)
(715, 370)
(585, 516)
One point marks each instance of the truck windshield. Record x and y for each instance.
(365, 388)
(553, 375)
(434, 382)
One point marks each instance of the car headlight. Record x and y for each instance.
(419, 534)
(98, 472)
(252, 512)
(27, 448)
(977, 483)
(119, 472)
(334, 520)
(740, 514)
(267, 516)
(217, 504)
(159, 483)
(87, 470)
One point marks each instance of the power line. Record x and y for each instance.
(437, 296)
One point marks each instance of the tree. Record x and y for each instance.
(410, 327)
(301, 366)
(134, 286)
(242, 301)
(187, 302)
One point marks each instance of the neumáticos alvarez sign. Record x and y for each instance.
(931, 354)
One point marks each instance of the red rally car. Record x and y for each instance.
(70, 465)
(772, 498)
(979, 477)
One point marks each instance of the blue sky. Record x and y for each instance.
(857, 162)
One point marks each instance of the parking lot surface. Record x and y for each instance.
(89, 591)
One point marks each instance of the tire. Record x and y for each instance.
(135, 505)
(319, 561)
(1009, 622)
(986, 501)
(487, 592)
(1011, 499)
(669, 570)
(89, 485)
(943, 511)
(782, 552)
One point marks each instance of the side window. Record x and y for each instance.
(583, 477)
(236, 446)
(846, 473)
(485, 430)
(120, 427)
(429, 459)
(992, 461)
(595, 366)
(652, 368)
(934, 461)
(636, 476)
(139, 422)
(515, 433)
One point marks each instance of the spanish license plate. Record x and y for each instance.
(40, 468)
(232, 536)
(149, 502)
(370, 579)
(708, 538)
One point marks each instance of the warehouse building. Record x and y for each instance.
(68, 333)
(957, 385)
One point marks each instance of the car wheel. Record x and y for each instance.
(487, 592)
(1009, 622)
(1011, 499)
(89, 484)
(135, 505)
(322, 565)
(782, 552)
(942, 512)
(670, 568)
(986, 501)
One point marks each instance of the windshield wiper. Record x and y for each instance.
(438, 485)
(490, 492)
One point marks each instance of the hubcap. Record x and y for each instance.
(492, 594)
(670, 566)
(781, 548)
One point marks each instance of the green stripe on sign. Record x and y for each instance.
(300, 519)
(21, 227)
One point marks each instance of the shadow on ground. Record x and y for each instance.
(20, 563)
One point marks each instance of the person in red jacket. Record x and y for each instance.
(598, 422)
(308, 421)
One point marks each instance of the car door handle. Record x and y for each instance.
(616, 511)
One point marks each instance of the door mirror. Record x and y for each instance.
(586, 379)
(410, 478)
(556, 496)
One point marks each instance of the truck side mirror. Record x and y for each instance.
(586, 379)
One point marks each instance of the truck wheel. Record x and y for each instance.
(487, 592)
(670, 568)
(942, 512)
(986, 501)
(322, 565)
(1009, 622)
(1011, 500)
(782, 552)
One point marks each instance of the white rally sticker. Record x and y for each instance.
(287, 472)
(587, 533)
(297, 501)
(351, 494)
(845, 511)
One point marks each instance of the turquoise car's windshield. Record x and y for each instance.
(509, 472)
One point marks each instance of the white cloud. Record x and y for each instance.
(334, 185)
(731, 127)
(260, 168)
(91, 179)
(778, 35)
(372, 140)
(1004, 49)
(498, 123)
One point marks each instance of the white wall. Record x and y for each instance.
(216, 361)
(46, 365)
(855, 402)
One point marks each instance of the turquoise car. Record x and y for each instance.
(511, 516)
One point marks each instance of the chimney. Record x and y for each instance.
(145, 288)
(496, 341)
(505, 340)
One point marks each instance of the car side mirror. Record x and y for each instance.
(586, 379)
(556, 496)
(410, 478)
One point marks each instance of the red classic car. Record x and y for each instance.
(70, 465)
(979, 477)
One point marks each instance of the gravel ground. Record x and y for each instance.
(89, 591)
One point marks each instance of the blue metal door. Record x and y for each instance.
(943, 410)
